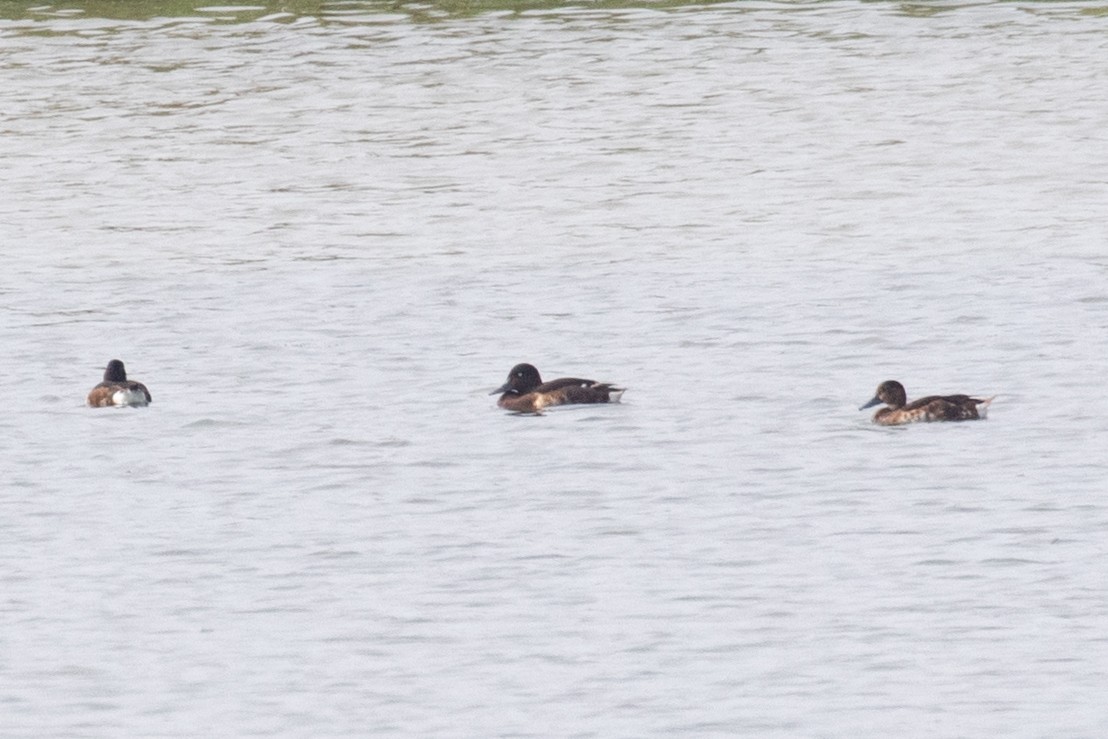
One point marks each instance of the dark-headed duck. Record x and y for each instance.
(525, 392)
(932, 408)
(116, 389)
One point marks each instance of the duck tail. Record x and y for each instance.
(983, 406)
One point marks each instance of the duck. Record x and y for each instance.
(116, 389)
(525, 392)
(899, 411)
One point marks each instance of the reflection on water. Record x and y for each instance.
(320, 232)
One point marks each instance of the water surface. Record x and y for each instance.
(321, 233)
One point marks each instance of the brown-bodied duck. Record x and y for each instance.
(525, 392)
(116, 389)
(931, 408)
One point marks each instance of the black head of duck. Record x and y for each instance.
(116, 389)
(525, 392)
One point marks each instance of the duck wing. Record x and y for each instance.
(947, 407)
(952, 399)
(576, 390)
(963, 400)
(565, 382)
(596, 393)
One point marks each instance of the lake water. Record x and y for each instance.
(321, 233)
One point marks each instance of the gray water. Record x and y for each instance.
(321, 236)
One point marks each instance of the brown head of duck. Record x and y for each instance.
(899, 411)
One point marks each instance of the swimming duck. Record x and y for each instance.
(930, 408)
(525, 392)
(116, 389)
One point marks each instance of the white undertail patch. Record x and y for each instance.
(129, 396)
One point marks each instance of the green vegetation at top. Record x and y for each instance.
(237, 12)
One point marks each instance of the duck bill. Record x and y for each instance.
(502, 389)
(875, 401)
